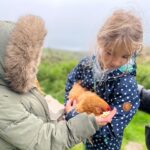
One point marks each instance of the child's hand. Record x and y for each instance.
(53, 104)
(70, 105)
(101, 121)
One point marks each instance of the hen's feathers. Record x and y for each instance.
(87, 101)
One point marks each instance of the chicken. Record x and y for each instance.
(88, 101)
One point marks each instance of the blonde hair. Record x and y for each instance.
(123, 30)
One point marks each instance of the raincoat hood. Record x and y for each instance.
(102, 76)
(20, 52)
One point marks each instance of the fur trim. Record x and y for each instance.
(24, 52)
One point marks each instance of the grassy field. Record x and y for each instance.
(53, 73)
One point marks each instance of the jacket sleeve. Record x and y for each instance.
(145, 99)
(126, 100)
(74, 76)
(25, 130)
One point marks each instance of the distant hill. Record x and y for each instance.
(56, 55)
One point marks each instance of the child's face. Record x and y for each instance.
(114, 59)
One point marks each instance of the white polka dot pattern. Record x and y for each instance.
(116, 91)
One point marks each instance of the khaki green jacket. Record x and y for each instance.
(25, 122)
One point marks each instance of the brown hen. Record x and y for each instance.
(87, 101)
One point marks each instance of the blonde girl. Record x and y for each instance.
(110, 72)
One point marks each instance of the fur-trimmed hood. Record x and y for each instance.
(20, 52)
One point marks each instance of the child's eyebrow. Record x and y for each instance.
(109, 50)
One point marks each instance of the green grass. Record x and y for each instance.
(78, 147)
(135, 131)
(53, 77)
(53, 73)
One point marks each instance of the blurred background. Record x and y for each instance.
(72, 27)
(73, 24)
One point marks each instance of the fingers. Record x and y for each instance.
(102, 124)
(112, 113)
(110, 116)
(104, 120)
(74, 103)
(70, 105)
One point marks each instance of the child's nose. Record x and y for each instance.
(115, 63)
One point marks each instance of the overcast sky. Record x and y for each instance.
(73, 24)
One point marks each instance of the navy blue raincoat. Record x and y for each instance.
(119, 90)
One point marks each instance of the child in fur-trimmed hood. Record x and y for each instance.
(25, 120)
